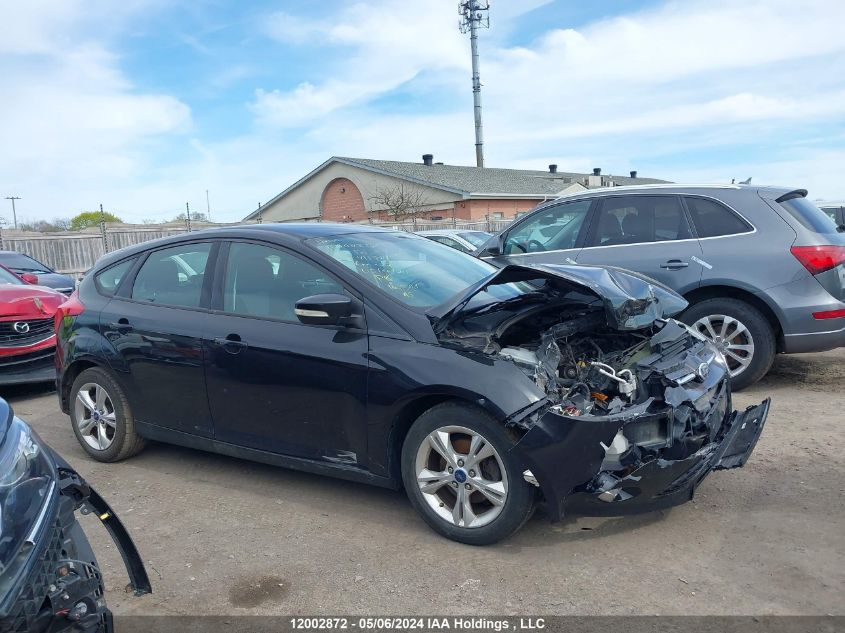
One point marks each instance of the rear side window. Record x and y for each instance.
(809, 215)
(712, 219)
(108, 280)
(173, 276)
(638, 219)
(448, 241)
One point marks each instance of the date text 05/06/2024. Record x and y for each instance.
(456, 623)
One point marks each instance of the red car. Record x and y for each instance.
(27, 338)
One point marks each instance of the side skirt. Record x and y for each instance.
(341, 471)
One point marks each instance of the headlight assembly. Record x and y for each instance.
(27, 482)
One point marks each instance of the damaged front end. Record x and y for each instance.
(635, 408)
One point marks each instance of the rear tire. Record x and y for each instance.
(101, 418)
(475, 491)
(741, 331)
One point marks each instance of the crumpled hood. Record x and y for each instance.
(631, 301)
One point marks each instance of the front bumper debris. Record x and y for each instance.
(565, 455)
(62, 589)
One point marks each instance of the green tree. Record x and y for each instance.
(196, 216)
(91, 218)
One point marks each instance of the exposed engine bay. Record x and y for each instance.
(635, 406)
(664, 385)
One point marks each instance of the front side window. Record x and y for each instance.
(639, 219)
(411, 269)
(555, 228)
(173, 276)
(712, 219)
(263, 281)
(108, 281)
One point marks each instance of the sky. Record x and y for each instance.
(144, 105)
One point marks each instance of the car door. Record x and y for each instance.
(649, 234)
(155, 323)
(552, 235)
(276, 384)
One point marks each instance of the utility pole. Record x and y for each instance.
(103, 229)
(207, 207)
(259, 213)
(14, 213)
(188, 216)
(474, 16)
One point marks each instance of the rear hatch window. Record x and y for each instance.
(808, 214)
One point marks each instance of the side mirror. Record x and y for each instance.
(29, 278)
(492, 247)
(327, 309)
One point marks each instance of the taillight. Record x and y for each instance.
(818, 259)
(830, 314)
(70, 308)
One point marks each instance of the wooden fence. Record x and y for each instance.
(74, 252)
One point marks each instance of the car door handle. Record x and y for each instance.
(674, 264)
(121, 325)
(231, 343)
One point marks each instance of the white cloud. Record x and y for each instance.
(690, 82)
(71, 119)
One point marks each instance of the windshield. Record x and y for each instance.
(23, 263)
(9, 279)
(416, 271)
(476, 238)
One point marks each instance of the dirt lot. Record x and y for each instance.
(222, 535)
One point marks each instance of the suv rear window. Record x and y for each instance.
(713, 219)
(809, 215)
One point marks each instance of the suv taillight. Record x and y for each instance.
(818, 259)
(72, 307)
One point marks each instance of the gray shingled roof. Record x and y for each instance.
(486, 180)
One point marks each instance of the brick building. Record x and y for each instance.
(355, 190)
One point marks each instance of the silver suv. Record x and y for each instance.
(762, 267)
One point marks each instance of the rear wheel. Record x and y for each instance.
(740, 332)
(461, 478)
(101, 418)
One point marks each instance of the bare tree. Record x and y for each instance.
(399, 201)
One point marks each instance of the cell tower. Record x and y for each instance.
(474, 15)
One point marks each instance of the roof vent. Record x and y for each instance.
(428, 159)
(633, 173)
(552, 169)
(596, 171)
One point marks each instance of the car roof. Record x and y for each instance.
(677, 188)
(293, 231)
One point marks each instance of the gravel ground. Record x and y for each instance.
(226, 536)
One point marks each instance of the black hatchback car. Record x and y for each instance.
(383, 357)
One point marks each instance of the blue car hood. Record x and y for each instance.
(631, 301)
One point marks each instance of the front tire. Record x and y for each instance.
(462, 478)
(101, 418)
(741, 332)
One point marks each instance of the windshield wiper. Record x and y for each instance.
(30, 270)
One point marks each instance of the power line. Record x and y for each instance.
(14, 213)
(474, 15)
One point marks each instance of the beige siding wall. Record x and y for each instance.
(303, 203)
